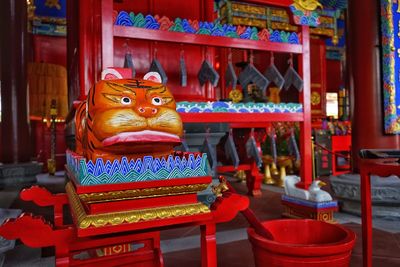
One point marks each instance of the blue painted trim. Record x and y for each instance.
(312, 204)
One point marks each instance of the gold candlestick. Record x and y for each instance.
(268, 160)
(283, 163)
(240, 175)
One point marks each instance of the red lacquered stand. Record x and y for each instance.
(111, 36)
(253, 176)
(119, 224)
(299, 208)
(248, 165)
(341, 144)
(381, 167)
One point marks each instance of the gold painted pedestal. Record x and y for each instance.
(283, 163)
(305, 209)
(268, 161)
(240, 176)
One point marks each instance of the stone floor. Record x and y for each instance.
(181, 246)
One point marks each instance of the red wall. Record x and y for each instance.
(334, 78)
(50, 49)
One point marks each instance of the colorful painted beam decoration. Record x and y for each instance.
(321, 16)
(305, 14)
(156, 22)
(390, 19)
(51, 8)
(48, 17)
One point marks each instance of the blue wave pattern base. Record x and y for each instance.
(220, 106)
(140, 170)
(312, 204)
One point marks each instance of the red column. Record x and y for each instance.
(84, 53)
(15, 145)
(365, 80)
(84, 45)
(89, 44)
(305, 126)
(73, 50)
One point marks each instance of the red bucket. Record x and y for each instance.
(302, 243)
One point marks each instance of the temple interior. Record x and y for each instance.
(199, 133)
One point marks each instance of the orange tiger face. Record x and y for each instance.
(129, 117)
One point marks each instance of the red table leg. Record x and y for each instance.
(208, 245)
(62, 262)
(366, 218)
(253, 180)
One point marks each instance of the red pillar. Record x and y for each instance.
(73, 50)
(84, 45)
(84, 54)
(15, 145)
(305, 126)
(89, 44)
(365, 80)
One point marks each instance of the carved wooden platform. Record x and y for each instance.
(131, 244)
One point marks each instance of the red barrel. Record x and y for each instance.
(302, 243)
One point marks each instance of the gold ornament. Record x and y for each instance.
(307, 5)
(315, 98)
(240, 175)
(283, 163)
(220, 188)
(142, 193)
(274, 96)
(236, 95)
(335, 39)
(31, 9)
(83, 220)
(267, 160)
(113, 250)
(53, 3)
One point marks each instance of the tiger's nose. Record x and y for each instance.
(147, 111)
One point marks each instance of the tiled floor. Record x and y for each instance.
(181, 246)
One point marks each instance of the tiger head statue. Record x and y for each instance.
(127, 118)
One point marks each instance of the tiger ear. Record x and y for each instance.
(166, 100)
(111, 74)
(153, 76)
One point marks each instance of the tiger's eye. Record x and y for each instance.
(125, 100)
(156, 101)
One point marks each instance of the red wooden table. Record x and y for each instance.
(111, 245)
(381, 167)
(341, 144)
